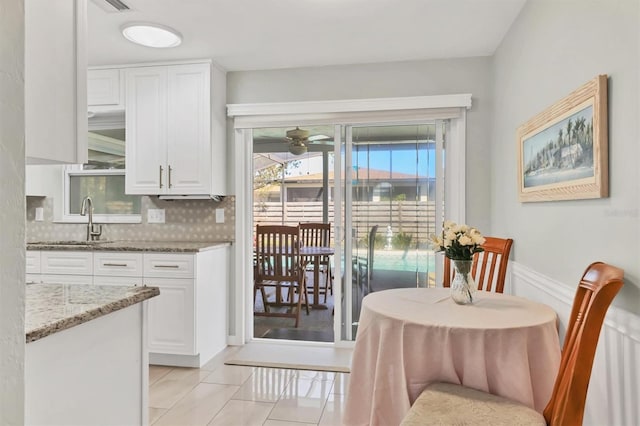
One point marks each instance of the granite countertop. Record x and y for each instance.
(55, 307)
(151, 246)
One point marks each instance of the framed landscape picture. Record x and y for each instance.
(563, 151)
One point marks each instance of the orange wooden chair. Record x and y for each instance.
(445, 403)
(318, 235)
(278, 265)
(489, 268)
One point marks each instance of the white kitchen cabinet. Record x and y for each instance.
(117, 263)
(105, 89)
(172, 317)
(187, 322)
(33, 262)
(117, 268)
(175, 146)
(62, 267)
(55, 81)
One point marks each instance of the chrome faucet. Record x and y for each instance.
(87, 208)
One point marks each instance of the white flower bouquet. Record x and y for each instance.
(458, 242)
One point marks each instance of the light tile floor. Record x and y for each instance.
(230, 395)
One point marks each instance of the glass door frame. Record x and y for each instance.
(337, 113)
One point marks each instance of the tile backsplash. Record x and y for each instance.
(185, 220)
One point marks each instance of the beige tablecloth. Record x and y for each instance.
(409, 338)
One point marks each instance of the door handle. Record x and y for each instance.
(160, 177)
(170, 177)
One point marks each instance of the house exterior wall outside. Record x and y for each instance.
(551, 49)
(12, 252)
(397, 79)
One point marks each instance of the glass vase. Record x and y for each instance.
(463, 286)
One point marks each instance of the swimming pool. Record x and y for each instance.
(397, 260)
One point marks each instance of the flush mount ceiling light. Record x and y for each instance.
(151, 35)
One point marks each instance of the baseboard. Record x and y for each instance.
(174, 360)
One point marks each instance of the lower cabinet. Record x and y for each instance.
(187, 322)
(172, 317)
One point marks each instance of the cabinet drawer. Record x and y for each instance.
(33, 262)
(168, 265)
(124, 281)
(67, 262)
(117, 264)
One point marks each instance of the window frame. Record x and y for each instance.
(78, 170)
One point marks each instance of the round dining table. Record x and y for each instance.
(411, 337)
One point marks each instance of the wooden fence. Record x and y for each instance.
(412, 218)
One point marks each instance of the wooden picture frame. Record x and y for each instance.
(563, 151)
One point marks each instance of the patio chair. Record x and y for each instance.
(278, 265)
(363, 267)
(318, 235)
(489, 268)
(446, 403)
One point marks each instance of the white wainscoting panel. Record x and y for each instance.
(614, 389)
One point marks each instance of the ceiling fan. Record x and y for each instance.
(299, 138)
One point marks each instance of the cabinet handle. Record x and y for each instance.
(166, 266)
(160, 176)
(170, 177)
(116, 264)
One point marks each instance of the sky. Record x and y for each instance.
(383, 158)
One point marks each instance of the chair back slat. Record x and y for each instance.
(598, 286)
(489, 268)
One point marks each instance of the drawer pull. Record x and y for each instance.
(166, 266)
(122, 265)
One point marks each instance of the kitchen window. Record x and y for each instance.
(102, 179)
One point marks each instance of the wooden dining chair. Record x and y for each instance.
(489, 268)
(318, 235)
(278, 265)
(446, 403)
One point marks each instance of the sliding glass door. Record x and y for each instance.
(392, 201)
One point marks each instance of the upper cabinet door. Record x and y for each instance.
(146, 134)
(105, 90)
(56, 81)
(189, 129)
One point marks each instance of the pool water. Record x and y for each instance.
(397, 260)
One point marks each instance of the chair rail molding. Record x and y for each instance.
(614, 389)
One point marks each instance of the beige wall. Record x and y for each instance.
(414, 78)
(552, 48)
(12, 261)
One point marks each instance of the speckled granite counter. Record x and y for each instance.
(150, 246)
(54, 307)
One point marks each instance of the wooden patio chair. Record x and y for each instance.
(318, 235)
(446, 403)
(278, 265)
(363, 266)
(489, 268)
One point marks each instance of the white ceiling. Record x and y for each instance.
(268, 34)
